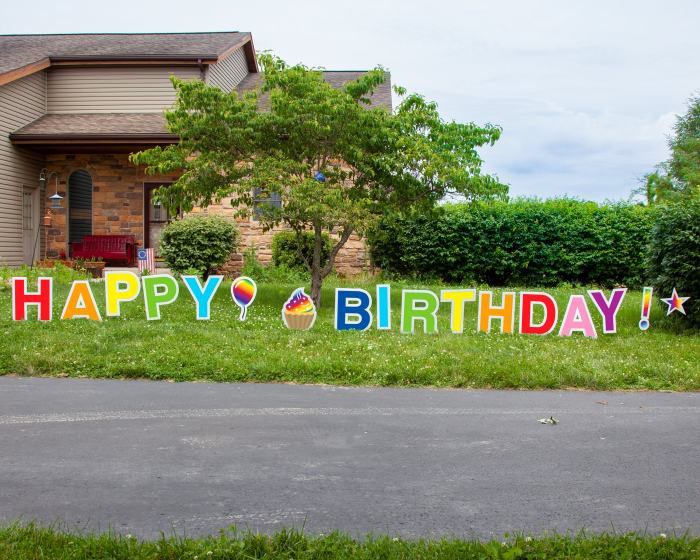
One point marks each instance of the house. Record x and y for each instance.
(72, 109)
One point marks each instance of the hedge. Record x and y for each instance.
(674, 260)
(518, 243)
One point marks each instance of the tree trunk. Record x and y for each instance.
(316, 277)
(318, 273)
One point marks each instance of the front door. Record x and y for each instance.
(156, 216)
(30, 225)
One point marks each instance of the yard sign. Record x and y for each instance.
(355, 309)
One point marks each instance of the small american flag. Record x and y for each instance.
(147, 260)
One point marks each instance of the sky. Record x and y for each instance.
(586, 92)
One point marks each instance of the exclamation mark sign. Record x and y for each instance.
(646, 308)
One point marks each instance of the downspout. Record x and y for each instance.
(202, 70)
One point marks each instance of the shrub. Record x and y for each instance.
(289, 249)
(201, 243)
(271, 274)
(524, 242)
(674, 260)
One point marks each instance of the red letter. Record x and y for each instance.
(21, 299)
(527, 301)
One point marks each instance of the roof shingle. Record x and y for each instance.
(17, 51)
(101, 124)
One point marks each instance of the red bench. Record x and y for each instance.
(110, 248)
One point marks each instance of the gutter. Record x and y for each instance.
(125, 138)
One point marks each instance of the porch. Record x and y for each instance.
(103, 194)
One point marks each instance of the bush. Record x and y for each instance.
(524, 242)
(198, 243)
(286, 250)
(674, 260)
(271, 274)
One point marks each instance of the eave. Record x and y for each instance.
(91, 143)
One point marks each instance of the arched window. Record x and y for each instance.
(79, 205)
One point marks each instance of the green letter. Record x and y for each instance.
(419, 305)
(159, 289)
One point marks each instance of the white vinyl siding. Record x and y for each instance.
(228, 73)
(145, 89)
(21, 102)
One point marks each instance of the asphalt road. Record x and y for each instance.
(143, 457)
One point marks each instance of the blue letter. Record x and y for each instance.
(383, 307)
(352, 303)
(202, 295)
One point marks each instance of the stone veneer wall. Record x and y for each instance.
(118, 207)
(117, 196)
(352, 259)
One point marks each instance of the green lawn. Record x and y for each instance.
(261, 349)
(29, 542)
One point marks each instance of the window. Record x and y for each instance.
(27, 211)
(265, 200)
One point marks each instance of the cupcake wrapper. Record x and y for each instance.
(299, 322)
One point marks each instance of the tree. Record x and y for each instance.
(677, 179)
(684, 165)
(336, 163)
(656, 186)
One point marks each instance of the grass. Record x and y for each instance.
(25, 542)
(261, 349)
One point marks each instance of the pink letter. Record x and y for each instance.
(577, 318)
(608, 308)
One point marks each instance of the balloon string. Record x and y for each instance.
(244, 312)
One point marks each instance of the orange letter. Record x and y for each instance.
(81, 303)
(505, 314)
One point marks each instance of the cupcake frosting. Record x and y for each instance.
(299, 303)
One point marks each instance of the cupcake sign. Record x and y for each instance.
(299, 311)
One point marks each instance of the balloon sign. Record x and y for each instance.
(243, 292)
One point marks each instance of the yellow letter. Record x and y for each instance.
(458, 298)
(119, 287)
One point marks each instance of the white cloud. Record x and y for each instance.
(586, 91)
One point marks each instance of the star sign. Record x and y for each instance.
(675, 302)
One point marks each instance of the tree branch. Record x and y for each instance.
(300, 253)
(347, 232)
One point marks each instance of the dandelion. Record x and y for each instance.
(662, 535)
